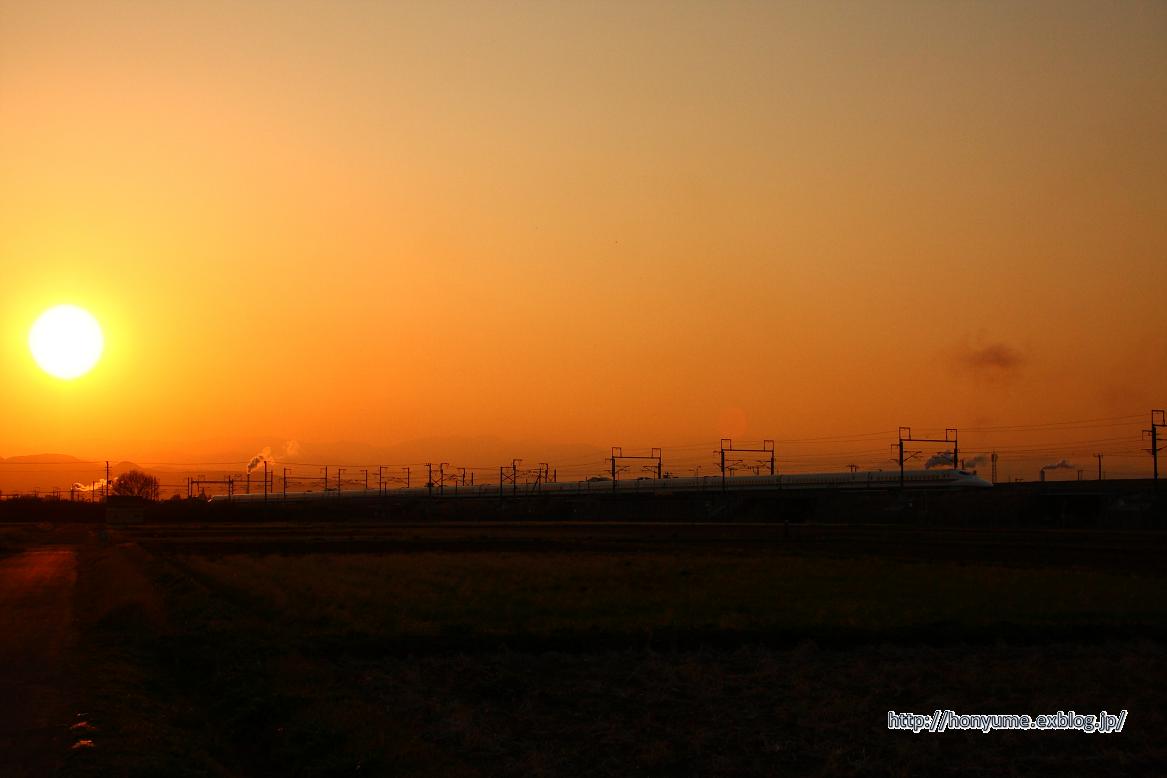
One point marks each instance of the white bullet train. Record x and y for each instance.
(859, 480)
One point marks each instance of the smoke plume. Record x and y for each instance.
(260, 458)
(1000, 356)
(96, 486)
(995, 362)
(1061, 464)
(939, 459)
(292, 448)
(979, 459)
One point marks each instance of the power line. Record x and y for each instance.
(1022, 427)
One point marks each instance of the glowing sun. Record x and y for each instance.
(66, 341)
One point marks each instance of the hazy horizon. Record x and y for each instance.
(1023, 455)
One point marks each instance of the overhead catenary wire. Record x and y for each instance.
(793, 453)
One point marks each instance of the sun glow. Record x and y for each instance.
(66, 341)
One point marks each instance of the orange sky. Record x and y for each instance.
(583, 223)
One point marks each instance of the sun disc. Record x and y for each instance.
(66, 341)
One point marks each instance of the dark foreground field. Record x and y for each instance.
(575, 649)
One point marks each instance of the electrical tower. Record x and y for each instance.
(197, 484)
(905, 436)
(513, 477)
(618, 454)
(727, 448)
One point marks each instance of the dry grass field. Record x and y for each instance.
(691, 659)
(514, 595)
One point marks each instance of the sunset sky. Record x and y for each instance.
(582, 224)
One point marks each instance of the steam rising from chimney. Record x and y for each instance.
(96, 486)
(260, 458)
(979, 459)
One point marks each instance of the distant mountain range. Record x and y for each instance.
(45, 473)
(39, 459)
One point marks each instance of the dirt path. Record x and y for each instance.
(36, 631)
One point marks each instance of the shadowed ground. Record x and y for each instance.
(572, 649)
(36, 632)
(584, 650)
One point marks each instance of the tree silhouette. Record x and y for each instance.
(135, 483)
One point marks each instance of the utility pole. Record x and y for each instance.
(901, 433)
(429, 478)
(442, 478)
(381, 480)
(993, 459)
(515, 475)
(366, 472)
(265, 480)
(407, 478)
(1158, 421)
(285, 483)
(339, 470)
(326, 478)
(462, 472)
(1099, 458)
(107, 479)
(725, 443)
